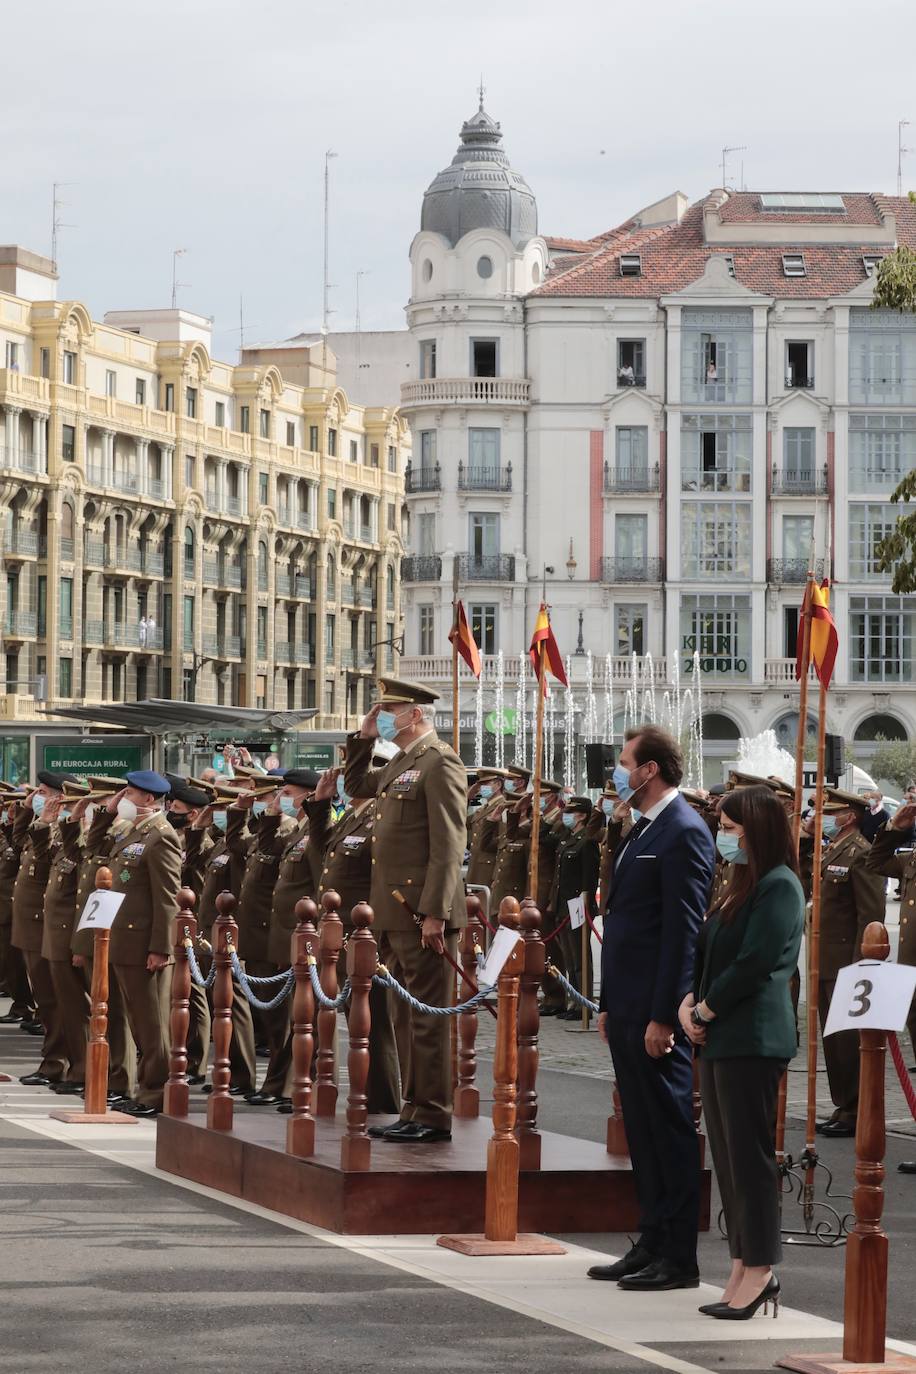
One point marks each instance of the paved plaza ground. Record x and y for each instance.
(111, 1265)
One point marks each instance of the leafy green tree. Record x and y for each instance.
(895, 289)
(896, 760)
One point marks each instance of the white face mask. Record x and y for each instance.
(127, 810)
(89, 813)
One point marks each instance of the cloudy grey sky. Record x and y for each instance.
(202, 124)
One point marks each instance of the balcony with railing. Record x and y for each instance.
(65, 627)
(799, 481)
(421, 567)
(734, 477)
(18, 542)
(513, 391)
(780, 672)
(494, 567)
(292, 652)
(67, 550)
(21, 624)
(20, 459)
(785, 572)
(422, 479)
(636, 479)
(473, 478)
(293, 586)
(616, 570)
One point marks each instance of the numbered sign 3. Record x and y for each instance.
(871, 996)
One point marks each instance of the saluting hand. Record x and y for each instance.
(368, 729)
(905, 817)
(204, 819)
(327, 784)
(111, 806)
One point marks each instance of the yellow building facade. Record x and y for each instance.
(180, 527)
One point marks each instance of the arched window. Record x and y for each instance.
(262, 566)
(332, 574)
(716, 726)
(189, 549)
(66, 521)
(389, 582)
(879, 727)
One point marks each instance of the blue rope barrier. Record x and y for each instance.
(385, 978)
(573, 992)
(194, 966)
(246, 985)
(321, 997)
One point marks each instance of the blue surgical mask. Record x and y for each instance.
(386, 724)
(259, 808)
(830, 827)
(220, 820)
(510, 785)
(570, 818)
(621, 777)
(289, 806)
(729, 847)
(607, 805)
(38, 804)
(486, 791)
(344, 796)
(542, 802)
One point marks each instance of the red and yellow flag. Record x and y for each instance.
(461, 636)
(825, 641)
(543, 634)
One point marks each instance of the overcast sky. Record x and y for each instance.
(202, 124)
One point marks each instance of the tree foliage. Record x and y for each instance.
(895, 281)
(896, 760)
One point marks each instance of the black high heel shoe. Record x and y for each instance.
(709, 1309)
(770, 1294)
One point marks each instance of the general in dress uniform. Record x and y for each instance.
(418, 846)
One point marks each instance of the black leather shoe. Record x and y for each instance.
(67, 1089)
(30, 1025)
(36, 1080)
(195, 1079)
(838, 1130)
(10, 1019)
(907, 1166)
(114, 1100)
(415, 1133)
(139, 1109)
(551, 1011)
(636, 1258)
(659, 1277)
(263, 1100)
(379, 1132)
(234, 1091)
(285, 1109)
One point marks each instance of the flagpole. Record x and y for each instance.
(536, 773)
(814, 944)
(802, 709)
(456, 725)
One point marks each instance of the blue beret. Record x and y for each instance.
(276, 772)
(148, 781)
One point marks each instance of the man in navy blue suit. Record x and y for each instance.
(659, 892)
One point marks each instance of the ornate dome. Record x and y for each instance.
(479, 190)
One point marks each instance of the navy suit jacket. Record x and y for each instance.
(658, 897)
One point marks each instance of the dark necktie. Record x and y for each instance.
(634, 835)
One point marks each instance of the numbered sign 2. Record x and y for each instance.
(100, 910)
(871, 996)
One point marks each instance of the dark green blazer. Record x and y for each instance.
(744, 968)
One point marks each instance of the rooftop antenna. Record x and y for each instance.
(325, 309)
(481, 91)
(362, 272)
(901, 153)
(176, 254)
(736, 148)
(56, 222)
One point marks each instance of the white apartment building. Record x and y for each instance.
(664, 418)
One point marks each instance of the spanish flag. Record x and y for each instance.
(461, 637)
(824, 638)
(543, 634)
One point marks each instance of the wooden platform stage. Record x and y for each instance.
(409, 1190)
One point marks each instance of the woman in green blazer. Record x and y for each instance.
(740, 1012)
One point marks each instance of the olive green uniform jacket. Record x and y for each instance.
(296, 878)
(883, 858)
(31, 881)
(420, 829)
(146, 866)
(743, 971)
(60, 915)
(852, 895)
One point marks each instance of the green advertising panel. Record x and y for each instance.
(315, 756)
(112, 757)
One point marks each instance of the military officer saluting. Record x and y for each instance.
(418, 846)
(60, 917)
(892, 856)
(852, 895)
(146, 867)
(483, 826)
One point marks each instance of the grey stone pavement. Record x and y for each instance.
(109, 1267)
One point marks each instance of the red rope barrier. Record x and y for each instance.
(906, 1082)
(554, 933)
(593, 930)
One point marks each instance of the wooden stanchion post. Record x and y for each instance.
(529, 1022)
(865, 1304)
(225, 935)
(466, 1104)
(501, 1209)
(95, 1101)
(176, 1089)
(362, 961)
(300, 1129)
(330, 940)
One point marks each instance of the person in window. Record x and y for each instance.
(626, 375)
(711, 373)
(740, 1016)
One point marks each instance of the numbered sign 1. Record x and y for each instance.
(871, 996)
(100, 910)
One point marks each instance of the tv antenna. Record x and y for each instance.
(901, 153)
(56, 222)
(735, 148)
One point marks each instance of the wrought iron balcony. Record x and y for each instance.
(636, 379)
(799, 481)
(424, 567)
(799, 383)
(473, 478)
(615, 570)
(496, 567)
(17, 541)
(422, 479)
(782, 572)
(20, 624)
(638, 478)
